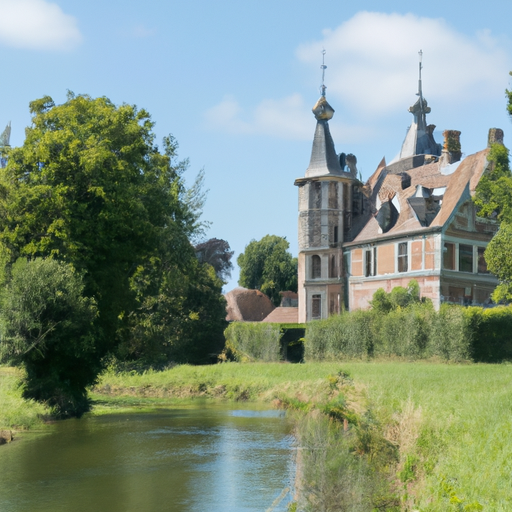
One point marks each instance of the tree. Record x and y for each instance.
(46, 328)
(216, 253)
(493, 195)
(89, 187)
(266, 265)
(499, 262)
(493, 199)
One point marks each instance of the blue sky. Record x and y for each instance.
(235, 81)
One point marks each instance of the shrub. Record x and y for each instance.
(451, 337)
(254, 341)
(348, 335)
(405, 331)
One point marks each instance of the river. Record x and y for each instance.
(207, 458)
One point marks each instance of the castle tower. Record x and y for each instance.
(325, 214)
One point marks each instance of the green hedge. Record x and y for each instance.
(453, 333)
(258, 341)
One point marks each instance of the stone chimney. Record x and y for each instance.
(451, 147)
(495, 136)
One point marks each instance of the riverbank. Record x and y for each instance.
(16, 413)
(450, 423)
(447, 427)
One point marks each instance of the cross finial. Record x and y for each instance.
(323, 67)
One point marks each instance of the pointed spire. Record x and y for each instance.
(419, 139)
(324, 159)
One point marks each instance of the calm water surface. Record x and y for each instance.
(194, 459)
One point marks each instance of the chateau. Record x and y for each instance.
(413, 219)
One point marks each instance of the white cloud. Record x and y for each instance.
(372, 72)
(286, 118)
(373, 62)
(37, 24)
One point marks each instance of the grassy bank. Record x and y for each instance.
(451, 423)
(15, 412)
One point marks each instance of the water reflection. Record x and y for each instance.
(195, 459)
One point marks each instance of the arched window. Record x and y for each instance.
(316, 267)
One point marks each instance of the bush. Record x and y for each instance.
(416, 331)
(405, 331)
(348, 335)
(451, 336)
(254, 341)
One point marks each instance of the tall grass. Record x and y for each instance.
(254, 341)
(16, 412)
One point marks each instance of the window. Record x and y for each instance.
(465, 258)
(316, 306)
(333, 267)
(482, 264)
(403, 264)
(449, 256)
(335, 235)
(370, 262)
(316, 267)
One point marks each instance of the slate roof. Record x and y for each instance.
(427, 203)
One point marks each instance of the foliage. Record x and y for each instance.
(450, 337)
(89, 187)
(497, 256)
(266, 265)
(216, 253)
(398, 297)
(47, 329)
(16, 412)
(180, 316)
(332, 476)
(413, 331)
(344, 335)
(405, 332)
(254, 341)
(493, 196)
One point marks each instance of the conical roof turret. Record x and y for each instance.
(324, 159)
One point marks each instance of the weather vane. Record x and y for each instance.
(323, 67)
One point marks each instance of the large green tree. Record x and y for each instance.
(91, 188)
(493, 199)
(268, 266)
